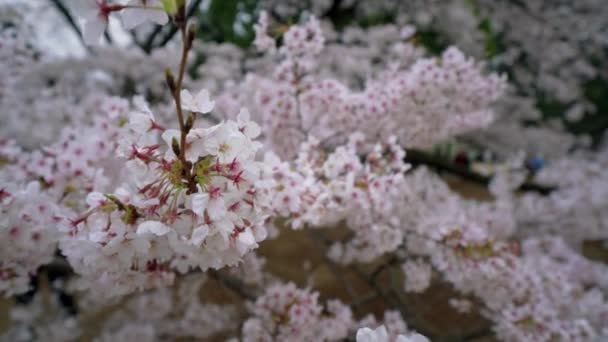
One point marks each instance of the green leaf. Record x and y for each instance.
(170, 6)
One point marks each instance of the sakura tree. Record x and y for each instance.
(355, 171)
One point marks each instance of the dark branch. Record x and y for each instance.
(233, 284)
(416, 157)
(68, 17)
(149, 45)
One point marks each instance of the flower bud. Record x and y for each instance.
(190, 36)
(170, 80)
(189, 123)
(175, 146)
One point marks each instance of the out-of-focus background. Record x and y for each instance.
(554, 53)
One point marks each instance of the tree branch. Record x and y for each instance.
(417, 157)
(68, 17)
(233, 284)
(149, 45)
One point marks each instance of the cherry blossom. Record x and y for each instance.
(95, 14)
(119, 201)
(199, 103)
(380, 335)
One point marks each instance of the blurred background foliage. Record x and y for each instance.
(232, 21)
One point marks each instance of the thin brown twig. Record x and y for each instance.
(178, 97)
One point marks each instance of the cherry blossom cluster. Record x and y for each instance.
(41, 318)
(446, 96)
(140, 210)
(170, 313)
(523, 285)
(28, 234)
(470, 244)
(575, 210)
(355, 54)
(381, 335)
(287, 312)
(42, 92)
(562, 58)
(324, 189)
(44, 188)
(167, 215)
(553, 47)
(552, 50)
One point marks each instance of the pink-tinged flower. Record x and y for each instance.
(199, 235)
(263, 41)
(152, 11)
(245, 240)
(153, 227)
(95, 14)
(250, 128)
(368, 335)
(200, 103)
(210, 202)
(227, 144)
(380, 334)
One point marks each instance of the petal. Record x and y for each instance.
(93, 29)
(365, 335)
(199, 234)
(246, 237)
(252, 130)
(216, 209)
(168, 136)
(132, 17)
(153, 227)
(158, 17)
(142, 246)
(243, 115)
(203, 102)
(85, 9)
(95, 199)
(199, 203)
(187, 100)
(224, 227)
(415, 337)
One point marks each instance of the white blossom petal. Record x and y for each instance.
(199, 234)
(153, 227)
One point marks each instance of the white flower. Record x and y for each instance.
(417, 275)
(133, 17)
(95, 199)
(142, 119)
(199, 234)
(381, 335)
(263, 42)
(152, 227)
(95, 14)
(201, 103)
(369, 335)
(245, 241)
(414, 337)
(212, 202)
(227, 144)
(251, 129)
